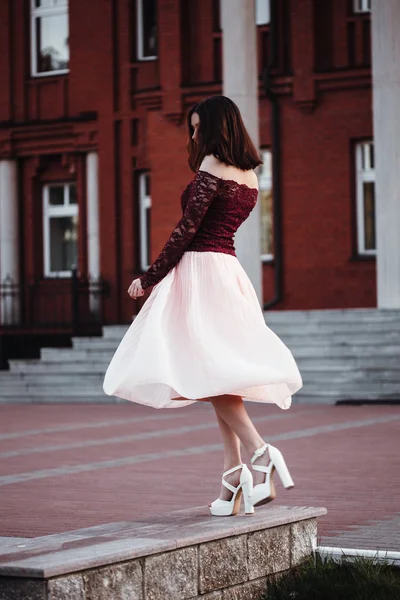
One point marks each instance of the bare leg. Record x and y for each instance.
(232, 411)
(232, 457)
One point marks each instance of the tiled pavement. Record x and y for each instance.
(385, 534)
(64, 467)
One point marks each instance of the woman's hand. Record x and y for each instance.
(135, 289)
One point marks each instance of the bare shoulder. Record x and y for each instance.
(251, 179)
(212, 165)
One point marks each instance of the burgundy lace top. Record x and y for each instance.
(213, 209)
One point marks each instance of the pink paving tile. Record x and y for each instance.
(349, 471)
(289, 421)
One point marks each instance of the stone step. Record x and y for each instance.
(347, 362)
(313, 317)
(86, 376)
(341, 354)
(67, 354)
(298, 398)
(332, 399)
(315, 364)
(358, 375)
(70, 386)
(297, 329)
(346, 350)
(41, 366)
(316, 340)
(95, 344)
(114, 331)
(351, 388)
(341, 339)
(50, 378)
(31, 398)
(330, 396)
(333, 315)
(64, 355)
(54, 391)
(46, 391)
(343, 366)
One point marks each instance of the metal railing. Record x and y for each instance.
(70, 304)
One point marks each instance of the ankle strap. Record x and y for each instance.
(259, 452)
(232, 470)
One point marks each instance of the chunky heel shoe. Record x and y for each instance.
(265, 492)
(226, 508)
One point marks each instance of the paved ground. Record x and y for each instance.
(65, 467)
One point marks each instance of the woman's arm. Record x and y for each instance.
(203, 192)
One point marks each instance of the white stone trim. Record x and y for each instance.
(265, 184)
(93, 225)
(241, 85)
(263, 12)
(361, 6)
(9, 247)
(9, 238)
(144, 207)
(386, 118)
(365, 173)
(92, 202)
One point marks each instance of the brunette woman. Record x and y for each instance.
(201, 334)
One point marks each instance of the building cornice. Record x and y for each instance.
(48, 137)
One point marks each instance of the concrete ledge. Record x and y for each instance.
(178, 555)
(376, 556)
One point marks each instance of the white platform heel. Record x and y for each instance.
(226, 508)
(265, 492)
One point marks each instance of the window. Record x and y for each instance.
(60, 228)
(265, 196)
(361, 6)
(263, 12)
(144, 220)
(49, 37)
(365, 170)
(146, 29)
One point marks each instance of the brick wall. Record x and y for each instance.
(93, 106)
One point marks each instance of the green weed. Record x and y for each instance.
(324, 579)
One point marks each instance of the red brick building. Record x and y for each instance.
(93, 98)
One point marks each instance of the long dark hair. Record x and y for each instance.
(221, 133)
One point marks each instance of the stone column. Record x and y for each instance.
(9, 243)
(240, 84)
(93, 235)
(386, 105)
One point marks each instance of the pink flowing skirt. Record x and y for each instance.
(202, 333)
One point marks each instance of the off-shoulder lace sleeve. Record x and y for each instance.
(202, 194)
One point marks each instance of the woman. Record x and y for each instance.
(201, 334)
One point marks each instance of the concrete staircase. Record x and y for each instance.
(342, 355)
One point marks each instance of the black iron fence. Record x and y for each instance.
(66, 304)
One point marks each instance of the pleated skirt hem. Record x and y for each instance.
(201, 333)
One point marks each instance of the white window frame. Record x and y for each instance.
(43, 12)
(265, 183)
(361, 6)
(50, 211)
(144, 206)
(263, 19)
(139, 32)
(365, 172)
